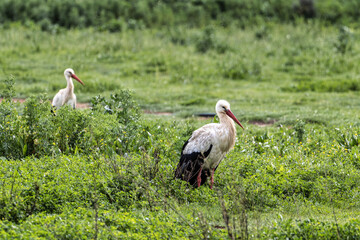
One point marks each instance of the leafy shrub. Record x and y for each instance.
(134, 24)
(300, 130)
(114, 25)
(208, 41)
(262, 32)
(336, 11)
(348, 138)
(178, 36)
(127, 133)
(121, 104)
(235, 70)
(35, 122)
(13, 144)
(305, 8)
(312, 229)
(12, 131)
(47, 26)
(8, 90)
(344, 40)
(38, 132)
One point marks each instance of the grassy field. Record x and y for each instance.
(271, 72)
(88, 174)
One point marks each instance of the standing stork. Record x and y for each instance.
(66, 95)
(207, 146)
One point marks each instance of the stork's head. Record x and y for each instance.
(223, 107)
(69, 73)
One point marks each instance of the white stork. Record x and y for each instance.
(207, 146)
(66, 95)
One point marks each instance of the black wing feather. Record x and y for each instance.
(190, 164)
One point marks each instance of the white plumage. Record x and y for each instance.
(207, 146)
(66, 95)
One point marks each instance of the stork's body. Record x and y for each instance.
(66, 95)
(207, 146)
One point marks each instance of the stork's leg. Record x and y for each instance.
(212, 178)
(199, 177)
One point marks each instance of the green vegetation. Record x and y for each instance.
(270, 73)
(117, 15)
(106, 172)
(110, 175)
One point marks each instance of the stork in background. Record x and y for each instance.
(207, 146)
(66, 95)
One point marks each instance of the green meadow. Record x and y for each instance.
(107, 172)
(269, 72)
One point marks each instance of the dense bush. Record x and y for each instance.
(114, 15)
(111, 125)
(312, 229)
(208, 41)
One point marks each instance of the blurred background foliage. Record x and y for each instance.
(115, 15)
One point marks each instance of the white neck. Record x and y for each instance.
(229, 124)
(70, 85)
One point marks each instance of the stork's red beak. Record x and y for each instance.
(230, 114)
(78, 79)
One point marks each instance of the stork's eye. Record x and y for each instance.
(224, 108)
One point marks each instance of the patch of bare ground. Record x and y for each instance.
(261, 123)
(87, 105)
(20, 100)
(200, 115)
(158, 113)
(82, 105)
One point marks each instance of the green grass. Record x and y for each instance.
(293, 72)
(87, 173)
(270, 176)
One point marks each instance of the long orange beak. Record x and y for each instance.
(230, 114)
(78, 79)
